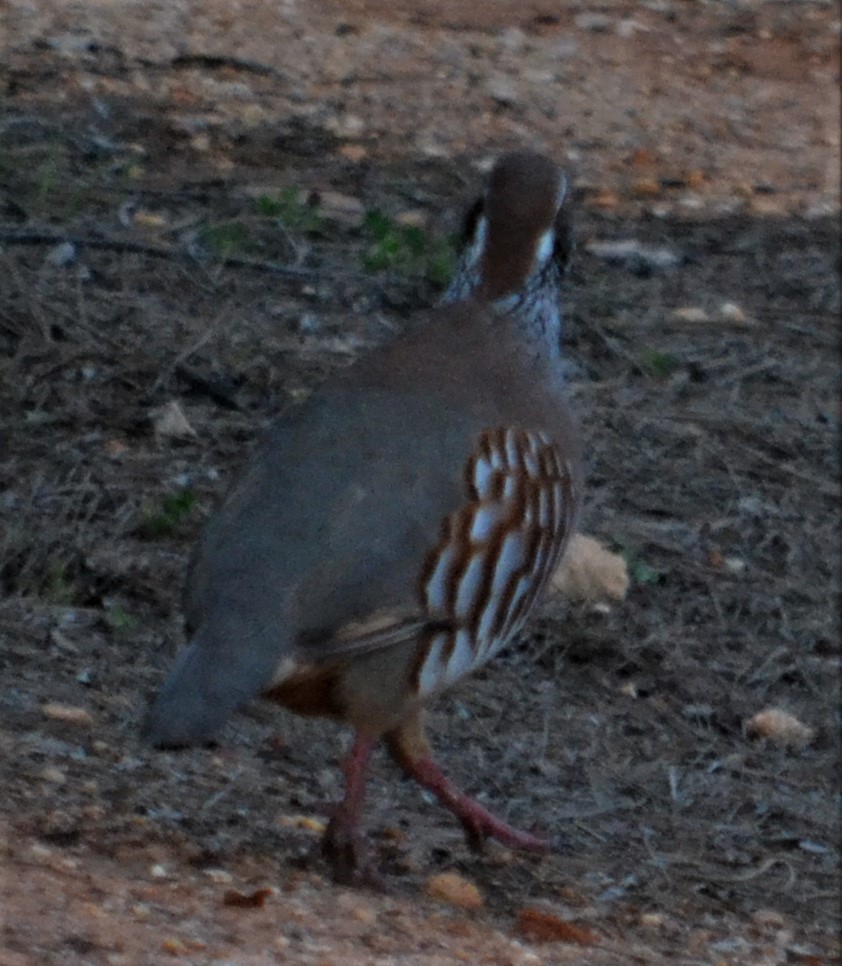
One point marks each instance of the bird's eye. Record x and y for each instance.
(470, 221)
(564, 243)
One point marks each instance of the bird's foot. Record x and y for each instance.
(349, 858)
(344, 844)
(479, 824)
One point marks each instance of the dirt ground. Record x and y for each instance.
(189, 227)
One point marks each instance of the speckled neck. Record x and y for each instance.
(535, 308)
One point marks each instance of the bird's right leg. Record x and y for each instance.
(411, 750)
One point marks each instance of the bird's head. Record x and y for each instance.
(517, 236)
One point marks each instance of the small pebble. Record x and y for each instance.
(454, 889)
(53, 775)
(781, 728)
(62, 255)
(219, 876)
(731, 312)
(690, 313)
(597, 22)
(68, 713)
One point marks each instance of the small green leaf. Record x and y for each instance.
(659, 364)
(168, 519)
(226, 238)
(122, 622)
(293, 210)
(640, 572)
(59, 587)
(407, 248)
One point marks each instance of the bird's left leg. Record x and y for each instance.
(411, 750)
(343, 842)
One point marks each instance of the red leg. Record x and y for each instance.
(343, 839)
(410, 749)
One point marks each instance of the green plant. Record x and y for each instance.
(407, 248)
(120, 620)
(441, 261)
(640, 572)
(58, 586)
(226, 238)
(169, 518)
(659, 364)
(293, 210)
(56, 189)
(47, 179)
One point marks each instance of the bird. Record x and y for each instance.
(395, 530)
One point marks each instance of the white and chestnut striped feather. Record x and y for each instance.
(495, 553)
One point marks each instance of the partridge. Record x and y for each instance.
(394, 531)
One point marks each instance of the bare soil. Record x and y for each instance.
(139, 269)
